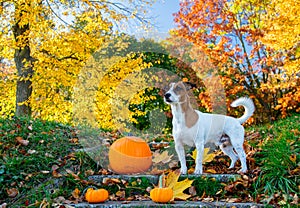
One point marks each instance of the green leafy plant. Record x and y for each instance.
(279, 159)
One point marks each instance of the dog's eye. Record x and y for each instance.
(165, 89)
(178, 88)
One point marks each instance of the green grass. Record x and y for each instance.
(28, 169)
(278, 159)
(52, 165)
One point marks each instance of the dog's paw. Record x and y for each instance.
(198, 172)
(183, 170)
(231, 166)
(242, 171)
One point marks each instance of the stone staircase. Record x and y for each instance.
(154, 179)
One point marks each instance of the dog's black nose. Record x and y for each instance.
(167, 95)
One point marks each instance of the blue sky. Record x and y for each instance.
(163, 10)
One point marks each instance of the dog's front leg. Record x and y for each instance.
(199, 158)
(181, 154)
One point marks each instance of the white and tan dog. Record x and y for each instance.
(194, 128)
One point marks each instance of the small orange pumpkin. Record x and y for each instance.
(161, 194)
(130, 155)
(96, 196)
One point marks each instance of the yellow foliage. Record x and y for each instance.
(282, 33)
(178, 186)
(7, 91)
(108, 94)
(207, 157)
(58, 49)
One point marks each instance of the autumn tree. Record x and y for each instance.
(282, 33)
(229, 33)
(49, 41)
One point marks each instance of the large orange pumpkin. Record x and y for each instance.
(130, 155)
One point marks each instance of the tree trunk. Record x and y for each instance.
(23, 61)
(24, 87)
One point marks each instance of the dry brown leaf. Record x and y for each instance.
(30, 127)
(12, 192)
(31, 152)
(107, 181)
(192, 191)
(120, 194)
(22, 141)
(56, 174)
(76, 193)
(3, 205)
(156, 171)
(232, 200)
(163, 157)
(89, 172)
(208, 199)
(293, 158)
(54, 167)
(76, 177)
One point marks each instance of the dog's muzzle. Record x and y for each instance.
(167, 97)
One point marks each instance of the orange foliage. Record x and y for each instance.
(229, 33)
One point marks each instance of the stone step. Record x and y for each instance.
(114, 204)
(154, 178)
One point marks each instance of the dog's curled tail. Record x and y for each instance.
(247, 103)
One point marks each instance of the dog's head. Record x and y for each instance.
(176, 93)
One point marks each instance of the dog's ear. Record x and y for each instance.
(167, 87)
(189, 85)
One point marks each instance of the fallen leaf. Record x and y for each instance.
(31, 152)
(172, 178)
(293, 158)
(156, 171)
(12, 192)
(120, 194)
(211, 171)
(76, 177)
(207, 157)
(44, 203)
(192, 191)
(3, 205)
(22, 141)
(107, 181)
(208, 199)
(74, 140)
(76, 193)
(56, 174)
(180, 187)
(30, 127)
(54, 167)
(171, 181)
(232, 200)
(163, 157)
(89, 172)
(48, 155)
(295, 199)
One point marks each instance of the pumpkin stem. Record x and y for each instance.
(161, 182)
(85, 190)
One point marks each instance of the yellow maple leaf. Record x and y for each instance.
(178, 187)
(207, 157)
